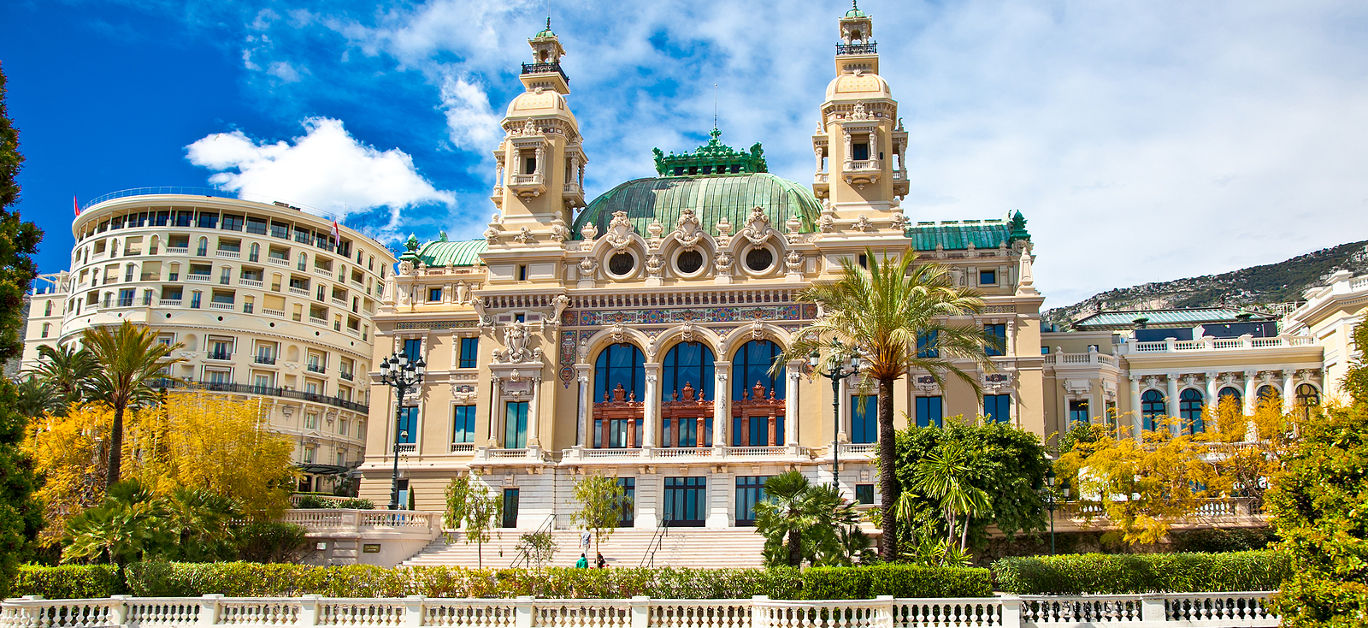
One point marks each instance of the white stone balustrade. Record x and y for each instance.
(1208, 343)
(1245, 608)
(337, 520)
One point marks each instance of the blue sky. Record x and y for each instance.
(1144, 140)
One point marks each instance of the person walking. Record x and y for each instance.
(583, 562)
(585, 539)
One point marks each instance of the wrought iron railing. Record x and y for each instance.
(857, 49)
(538, 68)
(250, 389)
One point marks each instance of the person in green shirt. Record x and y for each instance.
(582, 563)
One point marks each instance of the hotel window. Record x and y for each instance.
(515, 425)
(987, 277)
(218, 377)
(1078, 412)
(864, 493)
(628, 517)
(997, 408)
(926, 344)
(413, 348)
(220, 348)
(522, 272)
(863, 419)
(1190, 411)
(1152, 407)
(208, 220)
(126, 297)
(47, 309)
(308, 455)
(202, 248)
(750, 490)
(463, 424)
(342, 425)
(470, 347)
(311, 421)
(408, 425)
(930, 411)
(434, 294)
(262, 383)
(46, 329)
(997, 333)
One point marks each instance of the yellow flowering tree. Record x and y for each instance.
(1143, 486)
(216, 443)
(68, 453)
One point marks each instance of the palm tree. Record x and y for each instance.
(34, 397)
(946, 476)
(881, 314)
(68, 372)
(129, 357)
(783, 516)
(804, 521)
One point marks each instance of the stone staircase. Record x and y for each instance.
(681, 547)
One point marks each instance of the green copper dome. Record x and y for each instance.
(444, 253)
(711, 198)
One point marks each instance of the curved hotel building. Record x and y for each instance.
(265, 299)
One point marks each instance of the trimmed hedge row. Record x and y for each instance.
(68, 581)
(259, 580)
(1143, 573)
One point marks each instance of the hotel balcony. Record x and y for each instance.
(1209, 344)
(862, 171)
(821, 183)
(527, 185)
(573, 193)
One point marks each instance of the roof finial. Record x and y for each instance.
(714, 106)
(854, 4)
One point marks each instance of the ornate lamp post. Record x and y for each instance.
(1051, 504)
(401, 374)
(838, 372)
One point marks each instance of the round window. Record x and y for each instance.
(759, 259)
(689, 261)
(621, 263)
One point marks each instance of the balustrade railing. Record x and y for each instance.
(1243, 608)
(1214, 344)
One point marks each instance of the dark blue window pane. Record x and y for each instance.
(750, 490)
(1151, 408)
(926, 343)
(997, 408)
(413, 348)
(515, 425)
(463, 424)
(863, 418)
(620, 364)
(751, 365)
(469, 352)
(998, 332)
(929, 411)
(408, 424)
(687, 363)
(1190, 411)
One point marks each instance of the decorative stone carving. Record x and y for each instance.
(863, 224)
(655, 229)
(653, 265)
(491, 234)
(757, 330)
(515, 344)
(529, 127)
(462, 292)
(858, 112)
(524, 236)
(486, 319)
(687, 229)
(618, 333)
(559, 304)
(687, 335)
(757, 228)
(723, 262)
(587, 267)
(589, 231)
(900, 221)
(724, 227)
(619, 231)
(794, 261)
(560, 232)
(827, 223)
(405, 268)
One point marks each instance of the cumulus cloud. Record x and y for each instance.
(326, 170)
(471, 123)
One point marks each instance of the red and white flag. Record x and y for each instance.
(336, 232)
(75, 206)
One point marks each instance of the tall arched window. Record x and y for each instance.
(202, 248)
(1152, 407)
(303, 262)
(1268, 393)
(757, 396)
(1230, 403)
(1306, 397)
(254, 253)
(686, 394)
(619, 395)
(1190, 410)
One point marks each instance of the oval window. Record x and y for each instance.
(621, 263)
(759, 259)
(689, 261)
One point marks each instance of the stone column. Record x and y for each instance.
(721, 402)
(1171, 406)
(1289, 389)
(792, 408)
(843, 413)
(582, 435)
(1212, 393)
(500, 409)
(651, 423)
(1251, 391)
(1137, 418)
(533, 417)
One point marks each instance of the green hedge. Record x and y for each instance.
(1143, 573)
(834, 583)
(68, 581)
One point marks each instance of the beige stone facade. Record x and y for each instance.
(264, 299)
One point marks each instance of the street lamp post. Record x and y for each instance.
(401, 374)
(838, 372)
(1050, 503)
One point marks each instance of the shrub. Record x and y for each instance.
(313, 501)
(68, 581)
(271, 542)
(1142, 573)
(1223, 539)
(355, 503)
(838, 583)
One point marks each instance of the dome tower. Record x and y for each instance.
(859, 143)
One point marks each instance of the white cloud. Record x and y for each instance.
(471, 123)
(326, 170)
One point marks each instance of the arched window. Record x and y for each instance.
(1230, 402)
(1269, 393)
(303, 261)
(202, 248)
(1152, 407)
(757, 396)
(687, 363)
(254, 253)
(619, 395)
(751, 366)
(686, 393)
(1190, 410)
(1306, 397)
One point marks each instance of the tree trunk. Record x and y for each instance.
(888, 478)
(115, 447)
(795, 557)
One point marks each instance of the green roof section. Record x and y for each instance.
(855, 10)
(952, 235)
(546, 32)
(442, 253)
(1162, 318)
(710, 197)
(713, 157)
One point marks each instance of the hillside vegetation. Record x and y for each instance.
(1259, 287)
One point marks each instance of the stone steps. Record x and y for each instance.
(681, 547)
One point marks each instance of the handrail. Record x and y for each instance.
(657, 542)
(545, 526)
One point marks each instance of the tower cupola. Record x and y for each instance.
(545, 70)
